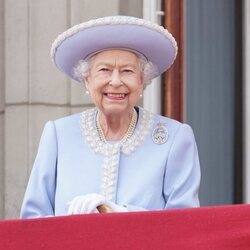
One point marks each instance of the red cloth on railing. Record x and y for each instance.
(225, 227)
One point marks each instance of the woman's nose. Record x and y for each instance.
(115, 79)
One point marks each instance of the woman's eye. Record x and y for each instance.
(128, 71)
(104, 69)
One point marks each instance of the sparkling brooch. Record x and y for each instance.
(160, 133)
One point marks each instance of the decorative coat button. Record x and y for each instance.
(160, 133)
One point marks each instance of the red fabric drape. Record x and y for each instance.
(200, 228)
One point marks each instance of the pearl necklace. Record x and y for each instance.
(92, 133)
(128, 134)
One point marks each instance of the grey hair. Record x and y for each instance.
(81, 70)
(148, 69)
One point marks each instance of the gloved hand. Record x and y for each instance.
(86, 204)
(115, 207)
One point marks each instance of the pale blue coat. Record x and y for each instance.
(154, 176)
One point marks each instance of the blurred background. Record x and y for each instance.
(208, 87)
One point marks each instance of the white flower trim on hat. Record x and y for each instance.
(113, 20)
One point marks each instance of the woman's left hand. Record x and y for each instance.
(86, 204)
(116, 208)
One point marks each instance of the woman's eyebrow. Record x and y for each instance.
(103, 64)
(129, 65)
(111, 65)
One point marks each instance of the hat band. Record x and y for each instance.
(115, 48)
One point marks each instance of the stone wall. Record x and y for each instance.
(1, 108)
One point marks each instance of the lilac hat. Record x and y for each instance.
(123, 32)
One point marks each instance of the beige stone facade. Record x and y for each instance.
(32, 90)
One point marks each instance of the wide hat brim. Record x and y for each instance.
(141, 36)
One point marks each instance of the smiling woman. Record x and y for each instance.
(116, 154)
(115, 82)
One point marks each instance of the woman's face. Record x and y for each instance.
(115, 81)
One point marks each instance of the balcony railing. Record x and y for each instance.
(224, 227)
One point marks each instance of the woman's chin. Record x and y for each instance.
(115, 109)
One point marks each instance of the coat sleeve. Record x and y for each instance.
(182, 176)
(39, 199)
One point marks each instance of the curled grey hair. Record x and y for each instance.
(148, 69)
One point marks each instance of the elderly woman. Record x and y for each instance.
(115, 154)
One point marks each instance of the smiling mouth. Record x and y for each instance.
(117, 96)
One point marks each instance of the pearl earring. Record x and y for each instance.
(140, 95)
(87, 92)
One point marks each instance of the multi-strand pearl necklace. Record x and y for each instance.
(129, 132)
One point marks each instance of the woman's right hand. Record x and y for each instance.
(86, 204)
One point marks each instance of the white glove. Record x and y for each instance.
(86, 204)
